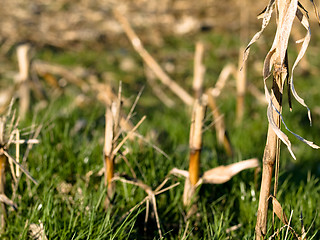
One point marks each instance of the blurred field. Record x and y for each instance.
(85, 40)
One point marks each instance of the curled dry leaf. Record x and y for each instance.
(277, 209)
(179, 172)
(287, 11)
(37, 231)
(223, 174)
(266, 19)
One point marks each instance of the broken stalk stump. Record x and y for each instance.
(195, 144)
(108, 154)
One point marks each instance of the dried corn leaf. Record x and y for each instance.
(278, 53)
(303, 18)
(6, 200)
(37, 231)
(287, 13)
(179, 172)
(277, 209)
(315, 10)
(265, 22)
(223, 174)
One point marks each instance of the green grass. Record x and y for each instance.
(67, 153)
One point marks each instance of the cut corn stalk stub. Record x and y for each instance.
(195, 140)
(287, 11)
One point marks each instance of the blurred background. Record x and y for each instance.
(78, 52)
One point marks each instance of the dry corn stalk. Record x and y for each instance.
(219, 125)
(151, 62)
(196, 141)
(24, 67)
(241, 88)
(198, 70)
(112, 144)
(108, 147)
(195, 136)
(277, 60)
(212, 94)
(157, 88)
(195, 144)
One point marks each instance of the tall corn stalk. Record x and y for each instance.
(276, 62)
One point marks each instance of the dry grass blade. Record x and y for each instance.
(37, 232)
(186, 230)
(223, 174)
(241, 81)
(130, 133)
(21, 168)
(134, 105)
(146, 141)
(150, 199)
(303, 230)
(289, 226)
